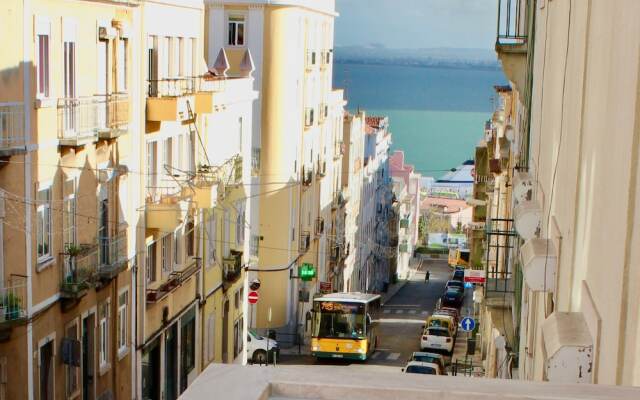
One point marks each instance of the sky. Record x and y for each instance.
(417, 23)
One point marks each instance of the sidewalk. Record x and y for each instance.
(394, 288)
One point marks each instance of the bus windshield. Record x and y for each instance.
(339, 320)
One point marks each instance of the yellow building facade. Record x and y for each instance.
(68, 245)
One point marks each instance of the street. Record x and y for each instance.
(401, 320)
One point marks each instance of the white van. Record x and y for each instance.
(258, 348)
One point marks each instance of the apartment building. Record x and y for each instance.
(410, 215)
(295, 122)
(67, 123)
(372, 273)
(352, 180)
(574, 143)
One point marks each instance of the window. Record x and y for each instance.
(168, 153)
(69, 211)
(43, 231)
(188, 56)
(104, 335)
(164, 58)
(122, 65)
(152, 65)
(236, 30)
(177, 247)
(211, 239)
(238, 341)
(43, 38)
(166, 253)
(123, 302)
(151, 165)
(240, 223)
(150, 262)
(211, 332)
(70, 69)
(176, 68)
(190, 238)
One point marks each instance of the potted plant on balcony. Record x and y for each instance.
(72, 250)
(10, 307)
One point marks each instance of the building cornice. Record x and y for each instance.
(319, 6)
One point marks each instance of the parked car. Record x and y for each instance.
(452, 297)
(453, 283)
(261, 350)
(417, 367)
(452, 312)
(458, 275)
(436, 338)
(434, 358)
(443, 321)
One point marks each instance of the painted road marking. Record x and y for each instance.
(425, 312)
(412, 311)
(393, 356)
(399, 311)
(375, 355)
(386, 311)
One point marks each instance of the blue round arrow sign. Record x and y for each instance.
(468, 324)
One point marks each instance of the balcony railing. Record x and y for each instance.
(174, 281)
(113, 256)
(512, 22)
(116, 116)
(79, 120)
(232, 267)
(80, 270)
(305, 242)
(237, 170)
(12, 301)
(12, 135)
(173, 87)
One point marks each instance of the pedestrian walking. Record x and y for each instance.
(426, 276)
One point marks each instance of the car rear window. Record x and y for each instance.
(418, 369)
(438, 332)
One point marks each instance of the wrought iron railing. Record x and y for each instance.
(12, 299)
(80, 117)
(113, 253)
(512, 22)
(12, 125)
(80, 268)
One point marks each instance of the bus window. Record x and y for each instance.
(339, 320)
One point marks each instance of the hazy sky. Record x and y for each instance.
(417, 23)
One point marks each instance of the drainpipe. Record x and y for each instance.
(26, 95)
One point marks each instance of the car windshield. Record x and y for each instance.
(339, 320)
(439, 323)
(452, 292)
(419, 369)
(425, 358)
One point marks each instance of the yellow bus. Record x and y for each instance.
(345, 325)
(458, 256)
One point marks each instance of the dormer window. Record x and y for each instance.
(236, 30)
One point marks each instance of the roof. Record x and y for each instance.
(355, 297)
(460, 174)
(502, 88)
(452, 205)
(374, 121)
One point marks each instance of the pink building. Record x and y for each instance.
(411, 179)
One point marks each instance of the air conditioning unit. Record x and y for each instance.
(527, 216)
(539, 264)
(523, 184)
(568, 348)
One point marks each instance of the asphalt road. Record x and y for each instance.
(401, 320)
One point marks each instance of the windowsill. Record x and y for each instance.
(45, 263)
(123, 352)
(104, 368)
(45, 102)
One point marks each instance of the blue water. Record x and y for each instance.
(436, 114)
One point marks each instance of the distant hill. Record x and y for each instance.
(436, 57)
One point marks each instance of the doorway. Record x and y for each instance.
(88, 365)
(225, 332)
(46, 371)
(171, 363)
(151, 372)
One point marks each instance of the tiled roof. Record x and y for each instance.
(453, 205)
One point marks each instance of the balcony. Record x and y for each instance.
(307, 176)
(79, 120)
(12, 305)
(339, 150)
(322, 169)
(116, 116)
(165, 209)
(12, 134)
(174, 281)
(113, 256)
(231, 268)
(80, 270)
(511, 39)
(311, 60)
(205, 89)
(340, 199)
(171, 99)
(237, 170)
(319, 226)
(305, 242)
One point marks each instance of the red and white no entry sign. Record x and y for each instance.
(253, 297)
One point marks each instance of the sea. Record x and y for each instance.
(436, 114)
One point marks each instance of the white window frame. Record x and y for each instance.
(166, 244)
(103, 329)
(228, 21)
(42, 28)
(151, 254)
(211, 231)
(46, 186)
(122, 49)
(123, 326)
